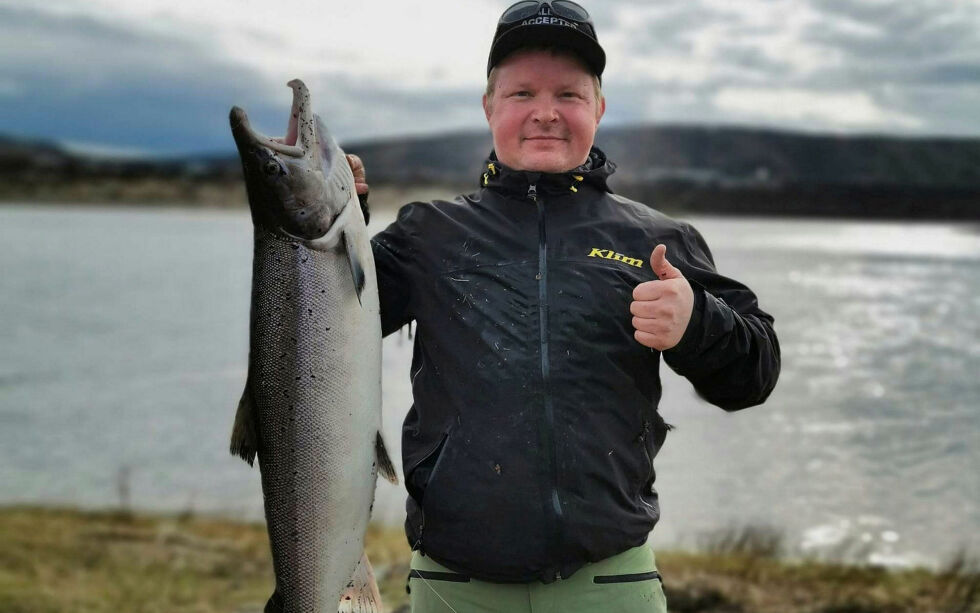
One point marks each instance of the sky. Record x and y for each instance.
(159, 76)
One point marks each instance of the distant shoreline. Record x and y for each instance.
(232, 198)
(679, 169)
(676, 198)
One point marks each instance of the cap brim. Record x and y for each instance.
(539, 34)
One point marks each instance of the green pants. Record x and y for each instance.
(624, 583)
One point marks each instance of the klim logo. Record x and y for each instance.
(609, 254)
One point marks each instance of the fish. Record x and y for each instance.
(311, 408)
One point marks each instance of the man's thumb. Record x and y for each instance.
(660, 265)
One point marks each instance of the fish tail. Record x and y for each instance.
(361, 594)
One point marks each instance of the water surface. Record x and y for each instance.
(124, 347)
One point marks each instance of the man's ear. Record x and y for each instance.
(486, 106)
(601, 110)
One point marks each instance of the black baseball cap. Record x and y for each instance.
(561, 23)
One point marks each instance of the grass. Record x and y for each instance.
(60, 560)
(747, 569)
(55, 560)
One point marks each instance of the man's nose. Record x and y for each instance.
(545, 110)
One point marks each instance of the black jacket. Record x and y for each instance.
(528, 450)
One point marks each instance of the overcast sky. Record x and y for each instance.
(160, 75)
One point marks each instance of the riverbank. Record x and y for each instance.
(683, 169)
(190, 194)
(674, 197)
(57, 560)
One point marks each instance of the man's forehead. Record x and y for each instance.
(543, 65)
(531, 81)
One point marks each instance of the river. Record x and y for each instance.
(123, 348)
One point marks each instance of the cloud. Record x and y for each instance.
(903, 41)
(161, 75)
(85, 80)
(841, 65)
(9, 88)
(169, 89)
(809, 109)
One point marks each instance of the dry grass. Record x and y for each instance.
(55, 560)
(744, 570)
(64, 560)
(61, 560)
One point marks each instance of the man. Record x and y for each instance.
(540, 325)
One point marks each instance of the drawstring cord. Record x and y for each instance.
(437, 593)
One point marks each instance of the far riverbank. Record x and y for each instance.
(189, 194)
(677, 197)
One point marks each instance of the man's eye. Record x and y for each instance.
(521, 94)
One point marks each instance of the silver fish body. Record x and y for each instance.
(311, 410)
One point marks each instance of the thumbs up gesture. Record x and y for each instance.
(662, 309)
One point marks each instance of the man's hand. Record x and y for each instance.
(662, 309)
(360, 184)
(360, 178)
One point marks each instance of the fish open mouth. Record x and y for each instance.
(300, 134)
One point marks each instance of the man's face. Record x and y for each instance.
(543, 113)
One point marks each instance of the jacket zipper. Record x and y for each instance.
(549, 410)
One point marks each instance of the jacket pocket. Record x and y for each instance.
(630, 578)
(418, 476)
(438, 576)
(651, 440)
(643, 441)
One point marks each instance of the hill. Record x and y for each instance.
(737, 170)
(675, 167)
(723, 155)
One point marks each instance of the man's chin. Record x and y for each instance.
(545, 163)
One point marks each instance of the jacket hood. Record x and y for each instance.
(595, 171)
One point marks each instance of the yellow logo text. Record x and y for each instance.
(609, 254)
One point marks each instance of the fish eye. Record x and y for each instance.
(271, 167)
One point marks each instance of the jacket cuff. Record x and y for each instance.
(691, 339)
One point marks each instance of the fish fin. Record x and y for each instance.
(244, 436)
(385, 465)
(362, 199)
(274, 604)
(356, 269)
(361, 594)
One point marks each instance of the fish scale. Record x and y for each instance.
(310, 449)
(311, 410)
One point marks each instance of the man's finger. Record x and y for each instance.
(648, 290)
(650, 309)
(356, 165)
(360, 178)
(660, 265)
(651, 326)
(649, 340)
